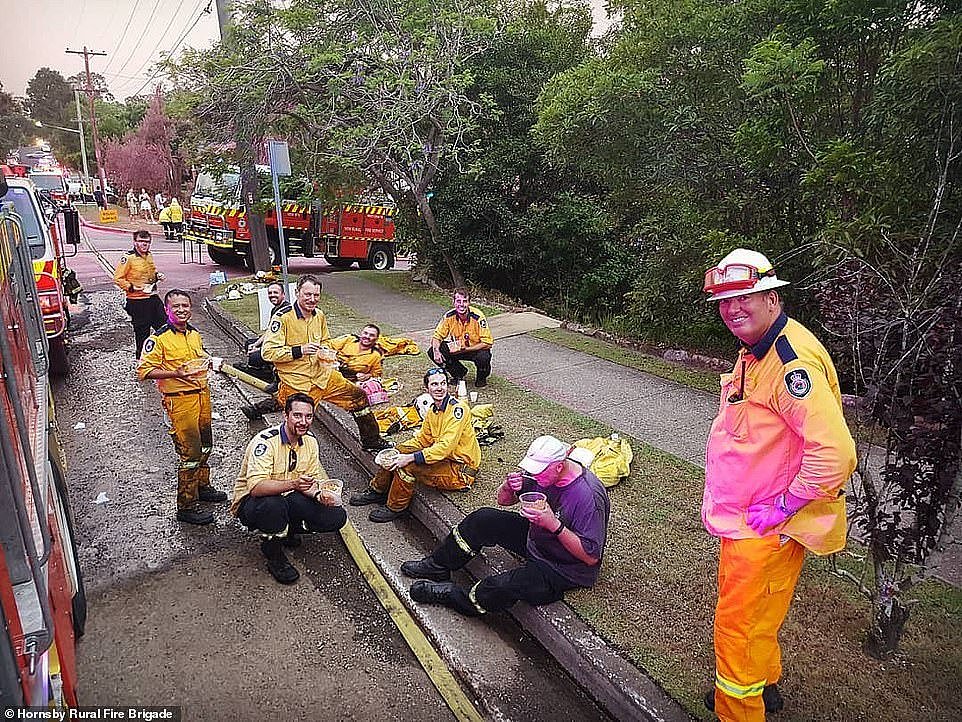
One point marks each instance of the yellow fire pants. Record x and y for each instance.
(756, 581)
(338, 391)
(189, 416)
(445, 474)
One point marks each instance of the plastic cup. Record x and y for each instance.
(385, 458)
(474, 397)
(331, 486)
(197, 366)
(533, 500)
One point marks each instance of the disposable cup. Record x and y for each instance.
(331, 486)
(385, 458)
(197, 366)
(474, 397)
(533, 500)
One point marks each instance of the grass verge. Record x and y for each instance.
(402, 282)
(655, 598)
(695, 378)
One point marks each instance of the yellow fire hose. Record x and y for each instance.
(428, 657)
(245, 377)
(438, 672)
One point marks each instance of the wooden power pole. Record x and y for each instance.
(93, 115)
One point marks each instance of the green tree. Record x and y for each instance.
(50, 100)
(16, 129)
(385, 102)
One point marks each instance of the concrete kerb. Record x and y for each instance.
(619, 687)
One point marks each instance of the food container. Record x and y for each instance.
(533, 500)
(331, 486)
(385, 458)
(197, 366)
(326, 356)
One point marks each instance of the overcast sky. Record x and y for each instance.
(133, 33)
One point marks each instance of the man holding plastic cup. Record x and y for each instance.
(279, 492)
(560, 531)
(174, 356)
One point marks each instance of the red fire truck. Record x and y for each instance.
(38, 216)
(42, 601)
(344, 233)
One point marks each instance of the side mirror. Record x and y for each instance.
(71, 225)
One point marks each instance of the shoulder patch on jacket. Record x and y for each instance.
(275, 325)
(798, 383)
(783, 348)
(149, 344)
(458, 411)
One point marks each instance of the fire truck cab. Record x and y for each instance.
(38, 220)
(344, 233)
(42, 601)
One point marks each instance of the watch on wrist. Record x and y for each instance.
(561, 526)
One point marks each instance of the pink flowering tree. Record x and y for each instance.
(143, 159)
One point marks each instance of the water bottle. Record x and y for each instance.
(462, 390)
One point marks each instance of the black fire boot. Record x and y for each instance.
(370, 434)
(432, 592)
(209, 493)
(277, 563)
(264, 406)
(368, 496)
(426, 568)
(770, 696)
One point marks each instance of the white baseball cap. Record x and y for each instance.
(543, 451)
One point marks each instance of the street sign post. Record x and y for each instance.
(280, 162)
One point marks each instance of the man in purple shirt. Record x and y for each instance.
(562, 541)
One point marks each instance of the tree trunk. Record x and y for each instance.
(456, 278)
(250, 195)
(888, 622)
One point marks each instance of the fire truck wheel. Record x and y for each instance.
(59, 360)
(381, 258)
(339, 262)
(223, 257)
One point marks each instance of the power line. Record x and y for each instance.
(173, 50)
(141, 37)
(139, 71)
(113, 53)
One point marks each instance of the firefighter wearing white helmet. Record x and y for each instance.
(778, 455)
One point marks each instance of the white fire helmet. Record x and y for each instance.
(740, 273)
(423, 404)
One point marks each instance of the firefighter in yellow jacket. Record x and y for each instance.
(174, 356)
(137, 276)
(359, 355)
(297, 343)
(779, 453)
(461, 335)
(443, 454)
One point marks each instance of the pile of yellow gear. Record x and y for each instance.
(613, 456)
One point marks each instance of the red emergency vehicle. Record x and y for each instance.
(42, 601)
(39, 216)
(343, 233)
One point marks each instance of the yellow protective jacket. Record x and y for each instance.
(176, 211)
(780, 428)
(474, 329)
(270, 455)
(135, 270)
(447, 433)
(164, 216)
(169, 349)
(282, 347)
(357, 359)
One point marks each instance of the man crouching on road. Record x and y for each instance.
(561, 534)
(175, 357)
(444, 454)
(276, 493)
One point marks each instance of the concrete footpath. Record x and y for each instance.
(662, 413)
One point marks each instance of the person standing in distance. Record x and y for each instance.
(779, 453)
(137, 276)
